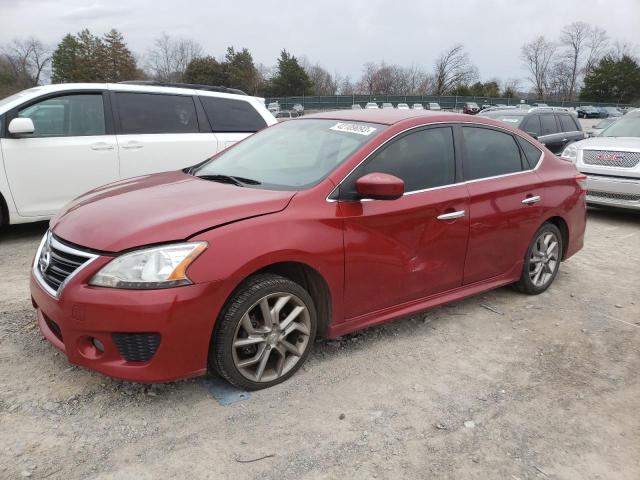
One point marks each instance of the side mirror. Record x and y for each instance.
(532, 134)
(21, 126)
(380, 186)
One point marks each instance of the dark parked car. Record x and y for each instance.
(470, 108)
(588, 112)
(319, 226)
(606, 112)
(553, 128)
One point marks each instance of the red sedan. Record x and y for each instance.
(316, 226)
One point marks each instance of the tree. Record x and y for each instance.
(205, 71)
(574, 37)
(168, 58)
(452, 69)
(537, 56)
(323, 82)
(77, 58)
(24, 63)
(240, 71)
(510, 87)
(597, 45)
(290, 77)
(115, 61)
(613, 80)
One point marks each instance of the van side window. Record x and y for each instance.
(142, 113)
(226, 115)
(67, 116)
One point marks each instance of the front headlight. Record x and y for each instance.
(150, 268)
(570, 153)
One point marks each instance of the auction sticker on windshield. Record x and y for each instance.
(353, 128)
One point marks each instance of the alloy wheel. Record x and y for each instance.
(271, 337)
(544, 259)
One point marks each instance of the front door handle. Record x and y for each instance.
(131, 145)
(102, 146)
(451, 215)
(531, 200)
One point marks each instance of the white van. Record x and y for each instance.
(58, 141)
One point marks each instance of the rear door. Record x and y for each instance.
(157, 132)
(231, 119)
(505, 194)
(72, 150)
(405, 249)
(570, 128)
(550, 134)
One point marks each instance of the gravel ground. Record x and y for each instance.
(502, 386)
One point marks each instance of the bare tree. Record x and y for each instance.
(169, 57)
(537, 56)
(621, 49)
(510, 87)
(28, 60)
(413, 80)
(574, 38)
(597, 46)
(323, 82)
(452, 69)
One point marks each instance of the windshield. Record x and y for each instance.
(604, 123)
(513, 120)
(290, 156)
(625, 127)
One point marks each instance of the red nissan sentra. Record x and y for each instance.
(317, 226)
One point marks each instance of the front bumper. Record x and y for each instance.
(613, 191)
(179, 319)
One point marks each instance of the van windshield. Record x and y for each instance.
(292, 155)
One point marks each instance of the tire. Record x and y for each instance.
(267, 316)
(540, 268)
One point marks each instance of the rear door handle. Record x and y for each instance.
(531, 200)
(132, 145)
(102, 146)
(451, 215)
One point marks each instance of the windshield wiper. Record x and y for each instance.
(237, 181)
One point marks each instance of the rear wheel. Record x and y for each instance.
(542, 260)
(264, 334)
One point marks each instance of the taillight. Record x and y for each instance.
(581, 180)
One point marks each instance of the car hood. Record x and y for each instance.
(622, 144)
(159, 208)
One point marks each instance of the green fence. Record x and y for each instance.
(337, 102)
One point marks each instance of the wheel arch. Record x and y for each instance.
(4, 212)
(564, 231)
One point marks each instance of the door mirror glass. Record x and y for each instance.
(380, 186)
(21, 126)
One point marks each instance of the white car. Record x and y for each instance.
(403, 106)
(387, 105)
(58, 141)
(371, 106)
(611, 162)
(417, 106)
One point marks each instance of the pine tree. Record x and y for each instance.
(114, 59)
(613, 80)
(205, 71)
(64, 62)
(290, 79)
(241, 72)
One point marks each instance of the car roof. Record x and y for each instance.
(389, 116)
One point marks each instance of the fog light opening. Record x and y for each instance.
(98, 344)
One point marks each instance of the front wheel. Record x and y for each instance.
(542, 260)
(264, 334)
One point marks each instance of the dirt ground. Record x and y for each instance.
(499, 386)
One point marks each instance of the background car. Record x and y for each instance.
(588, 111)
(174, 283)
(298, 108)
(387, 105)
(59, 141)
(611, 162)
(371, 106)
(403, 106)
(356, 106)
(597, 129)
(606, 112)
(538, 104)
(273, 107)
(417, 106)
(284, 115)
(555, 128)
(470, 108)
(433, 106)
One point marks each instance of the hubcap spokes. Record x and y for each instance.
(271, 337)
(544, 259)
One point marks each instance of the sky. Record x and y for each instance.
(341, 35)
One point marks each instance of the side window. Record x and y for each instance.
(67, 116)
(567, 123)
(423, 159)
(489, 153)
(548, 124)
(531, 153)
(156, 113)
(227, 115)
(531, 125)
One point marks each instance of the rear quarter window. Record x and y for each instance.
(531, 153)
(228, 115)
(143, 113)
(567, 123)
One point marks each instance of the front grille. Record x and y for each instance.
(58, 261)
(625, 197)
(606, 158)
(136, 347)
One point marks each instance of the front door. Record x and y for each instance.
(71, 151)
(405, 249)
